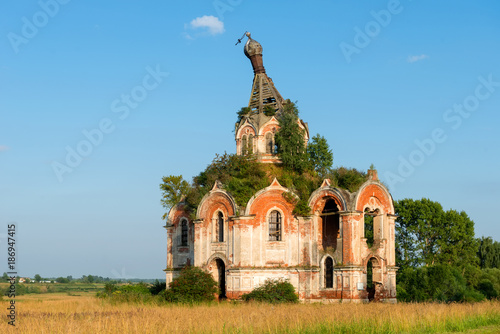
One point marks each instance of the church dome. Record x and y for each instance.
(252, 47)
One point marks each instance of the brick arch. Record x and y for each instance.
(268, 126)
(261, 203)
(380, 261)
(176, 213)
(216, 200)
(216, 256)
(268, 197)
(372, 194)
(318, 199)
(242, 130)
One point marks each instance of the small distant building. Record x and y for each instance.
(325, 256)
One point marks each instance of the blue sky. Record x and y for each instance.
(410, 86)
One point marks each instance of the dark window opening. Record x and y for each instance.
(220, 227)
(270, 143)
(329, 273)
(330, 224)
(370, 287)
(184, 233)
(275, 226)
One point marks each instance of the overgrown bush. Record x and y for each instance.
(273, 291)
(486, 288)
(241, 176)
(132, 293)
(193, 285)
(157, 287)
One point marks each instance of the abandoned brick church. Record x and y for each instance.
(325, 255)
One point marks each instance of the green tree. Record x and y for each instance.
(456, 244)
(290, 139)
(488, 253)
(427, 235)
(174, 188)
(320, 155)
(38, 278)
(5, 277)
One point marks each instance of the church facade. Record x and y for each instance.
(326, 256)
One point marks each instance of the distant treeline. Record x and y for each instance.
(69, 279)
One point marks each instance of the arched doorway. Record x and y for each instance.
(370, 288)
(330, 224)
(373, 278)
(221, 278)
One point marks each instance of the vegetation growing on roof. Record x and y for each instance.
(301, 171)
(269, 111)
(245, 111)
(347, 178)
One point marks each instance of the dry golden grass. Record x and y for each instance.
(52, 313)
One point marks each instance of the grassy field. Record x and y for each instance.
(63, 313)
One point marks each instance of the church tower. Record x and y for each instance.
(255, 130)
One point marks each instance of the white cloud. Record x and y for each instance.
(412, 59)
(3, 148)
(212, 23)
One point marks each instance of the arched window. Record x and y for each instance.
(372, 226)
(275, 226)
(220, 227)
(244, 145)
(328, 273)
(250, 144)
(184, 233)
(269, 143)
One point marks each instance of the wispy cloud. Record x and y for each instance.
(412, 59)
(3, 148)
(211, 23)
